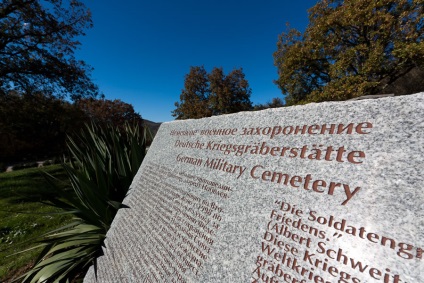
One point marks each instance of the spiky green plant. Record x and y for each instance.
(103, 164)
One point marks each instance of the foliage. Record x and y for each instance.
(37, 44)
(33, 126)
(104, 111)
(25, 217)
(274, 103)
(228, 94)
(411, 82)
(105, 162)
(194, 97)
(350, 48)
(205, 95)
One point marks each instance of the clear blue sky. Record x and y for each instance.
(141, 50)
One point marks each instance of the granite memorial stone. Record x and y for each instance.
(329, 192)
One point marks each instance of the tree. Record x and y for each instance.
(350, 48)
(274, 103)
(218, 97)
(34, 126)
(37, 45)
(33, 132)
(104, 112)
(205, 95)
(194, 97)
(228, 94)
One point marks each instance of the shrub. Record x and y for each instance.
(105, 162)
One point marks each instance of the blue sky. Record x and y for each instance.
(141, 50)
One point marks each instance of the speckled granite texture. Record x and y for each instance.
(276, 196)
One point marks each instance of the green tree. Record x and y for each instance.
(210, 94)
(349, 49)
(37, 44)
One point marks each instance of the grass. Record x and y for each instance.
(23, 218)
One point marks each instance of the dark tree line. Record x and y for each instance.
(274, 103)
(35, 126)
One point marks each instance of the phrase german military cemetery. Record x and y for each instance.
(324, 193)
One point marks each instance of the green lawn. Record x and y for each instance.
(23, 218)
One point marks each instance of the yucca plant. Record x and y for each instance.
(103, 164)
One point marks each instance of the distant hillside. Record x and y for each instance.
(153, 126)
